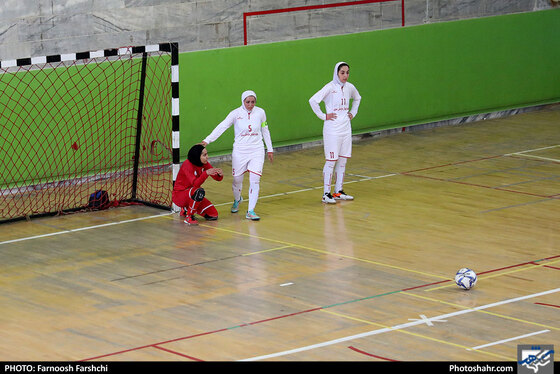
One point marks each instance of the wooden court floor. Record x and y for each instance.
(363, 280)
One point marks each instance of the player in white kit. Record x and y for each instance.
(250, 128)
(337, 130)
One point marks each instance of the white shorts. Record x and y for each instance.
(243, 161)
(336, 146)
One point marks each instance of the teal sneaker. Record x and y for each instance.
(235, 206)
(252, 215)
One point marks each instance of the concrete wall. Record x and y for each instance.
(44, 27)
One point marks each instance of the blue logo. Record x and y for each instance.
(533, 359)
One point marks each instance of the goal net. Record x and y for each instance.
(75, 126)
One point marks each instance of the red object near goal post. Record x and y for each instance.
(74, 124)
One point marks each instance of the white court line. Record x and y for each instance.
(539, 157)
(522, 153)
(82, 229)
(166, 214)
(509, 340)
(364, 178)
(425, 319)
(532, 150)
(398, 327)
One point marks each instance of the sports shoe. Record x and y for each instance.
(328, 198)
(252, 215)
(191, 221)
(210, 218)
(341, 195)
(235, 206)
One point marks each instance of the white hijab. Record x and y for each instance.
(335, 74)
(245, 95)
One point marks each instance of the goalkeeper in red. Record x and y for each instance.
(188, 193)
(337, 130)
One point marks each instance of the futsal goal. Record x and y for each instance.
(77, 128)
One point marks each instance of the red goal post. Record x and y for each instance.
(74, 124)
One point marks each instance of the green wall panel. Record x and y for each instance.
(406, 76)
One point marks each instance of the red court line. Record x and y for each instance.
(454, 163)
(371, 355)
(536, 262)
(549, 258)
(201, 334)
(311, 7)
(409, 173)
(156, 345)
(555, 306)
(480, 185)
(283, 316)
(508, 267)
(426, 285)
(152, 345)
(177, 353)
(490, 271)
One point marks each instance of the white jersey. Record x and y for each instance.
(337, 100)
(250, 128)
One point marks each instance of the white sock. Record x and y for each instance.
(237, 187)
(254, 187)
(340, 170)
(327, 175)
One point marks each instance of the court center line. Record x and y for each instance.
(397, 327)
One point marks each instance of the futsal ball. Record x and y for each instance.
(465, 278)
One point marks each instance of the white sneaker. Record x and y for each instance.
(341, 195)
(328, 198)
(252, 215)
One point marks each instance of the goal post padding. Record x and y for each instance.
(69, 126)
